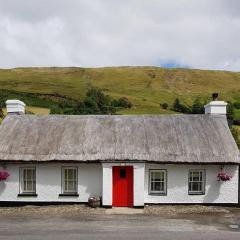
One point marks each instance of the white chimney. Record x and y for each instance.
(15, 107)
(216, 107)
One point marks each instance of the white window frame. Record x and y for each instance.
(164, 192)
(66, 191)
(203, 182)
(22, 181)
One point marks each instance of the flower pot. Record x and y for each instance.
(94, 202)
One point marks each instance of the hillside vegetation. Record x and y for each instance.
(145, 87)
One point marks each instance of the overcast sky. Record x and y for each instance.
(201, 34)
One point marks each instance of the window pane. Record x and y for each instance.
(24, 174)
(70, 174)
(200, 184)
(190, 176)
(162, 176)
(157, 176)
(30, 174)
(195, 186)
(152, 176)
(152, 186)
(66, 174)
(29, 186)
(71, 186)
(122, 173)
(24, 186)
(195, 176)
(34, 186)
(162, 186)
(157, 186)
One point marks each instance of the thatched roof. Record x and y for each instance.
(160, 138)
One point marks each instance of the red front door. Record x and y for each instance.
(122, 192)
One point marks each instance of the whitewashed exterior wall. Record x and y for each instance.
(177, 185)
(138, 183)
(96, 180)
(48, 183)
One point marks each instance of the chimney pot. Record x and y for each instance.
(215, 96)
(15, 107)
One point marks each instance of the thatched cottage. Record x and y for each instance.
(127, 160)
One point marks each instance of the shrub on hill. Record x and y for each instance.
(95, 102)
(179, 107)
(230, 111)
(2, 104)
(122, 102)
(164, 105)
(236, 105)
(197, 107)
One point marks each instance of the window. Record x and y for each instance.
(158, 182)
(69, 181)
(196, 182)
(28, 180)
(122, 173)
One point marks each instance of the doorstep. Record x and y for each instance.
(124, 210)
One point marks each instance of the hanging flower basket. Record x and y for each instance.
(4, 175)
(222, 176)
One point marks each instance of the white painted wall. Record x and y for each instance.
(138, 182)
(48, 183)
(90, 182)
(177, 185)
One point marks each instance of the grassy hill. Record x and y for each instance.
(145, 87)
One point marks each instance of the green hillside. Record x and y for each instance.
(145, 87)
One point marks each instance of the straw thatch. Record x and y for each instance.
(170, 139)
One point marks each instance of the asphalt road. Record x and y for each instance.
(102, 227)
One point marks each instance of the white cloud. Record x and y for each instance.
(201, 34)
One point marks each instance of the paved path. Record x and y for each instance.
(102, 227)
(124, 211)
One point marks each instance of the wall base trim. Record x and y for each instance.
(200, 204)
(36, 203)
(106, 206)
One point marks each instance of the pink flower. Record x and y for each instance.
(4, 175)
(222, 176)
